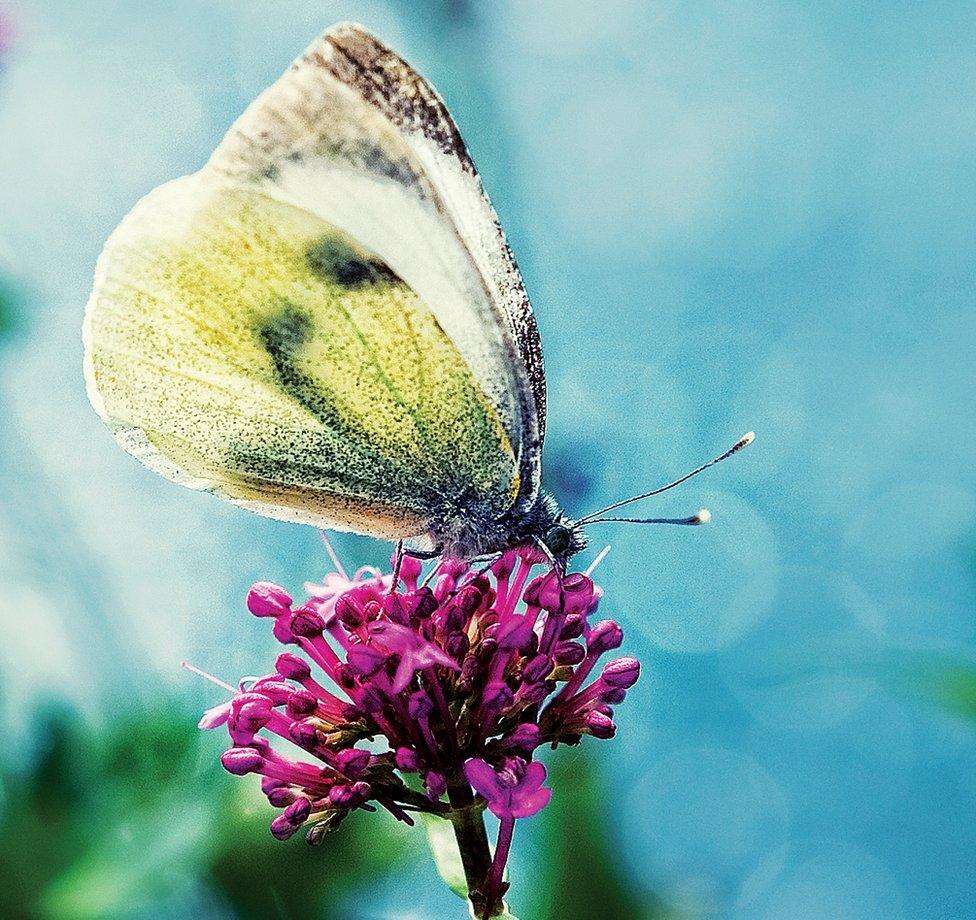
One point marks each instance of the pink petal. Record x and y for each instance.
(531, 804)
(484, 779)
(404, 673)
(535, 776)
(501, 810)
(215, 717)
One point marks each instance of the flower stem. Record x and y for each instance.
(472, 839)
(494, 887)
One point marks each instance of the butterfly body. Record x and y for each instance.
(325, 324)
(542, 524)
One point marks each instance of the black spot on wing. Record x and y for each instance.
(378, 161)
(334, 260)
(283, 333)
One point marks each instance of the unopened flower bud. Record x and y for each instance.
(573, 626)
(292, 667)
(435, 784)
(395, 609)
(282, 828)
(281, 797)
(304, 734)
(307, 623)
(419, 706)
(407, 760)
(457, 645)
(577, 593)
(525, 737)
(569, 653)
(301, 703)
(497, 695)
(613, 696)
(535, 693)
(621, 672)
(599, 725)
(241, 761)
(299, 810)
(515, 633)
(341, 795)
(452, 618)
(426, 603)
(348, 613)
(265, 599)
(604, 636)
(249, 713)
(352, 761)
(469, 599)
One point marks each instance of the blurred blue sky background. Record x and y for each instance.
(728, 216)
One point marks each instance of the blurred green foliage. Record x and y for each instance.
(8, 309)
(947, 681)
(579, 871)
(109, 824)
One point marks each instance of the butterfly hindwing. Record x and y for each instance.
(273, 360)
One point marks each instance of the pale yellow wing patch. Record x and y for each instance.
(353, 134)
(241, 344)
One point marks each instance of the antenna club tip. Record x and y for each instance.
(746, 439)
(703, 516)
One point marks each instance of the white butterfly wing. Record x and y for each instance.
(352, 133)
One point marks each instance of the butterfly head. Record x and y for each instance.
(546, 527)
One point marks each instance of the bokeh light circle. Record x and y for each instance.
(699, 589)
(699, 822)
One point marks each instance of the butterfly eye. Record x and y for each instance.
(558, 539)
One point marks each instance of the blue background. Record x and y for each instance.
(729, 217)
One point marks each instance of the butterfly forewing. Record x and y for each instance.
(325, 324)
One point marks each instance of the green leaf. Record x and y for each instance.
(447, 857)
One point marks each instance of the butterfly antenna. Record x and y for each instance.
(702, 517)
(591, 518)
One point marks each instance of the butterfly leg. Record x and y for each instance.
(423, 554)
(397, 562)
(489, 560)
(557, 568)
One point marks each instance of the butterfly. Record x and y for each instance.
(326, 325)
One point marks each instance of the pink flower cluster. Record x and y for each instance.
(463, 676)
